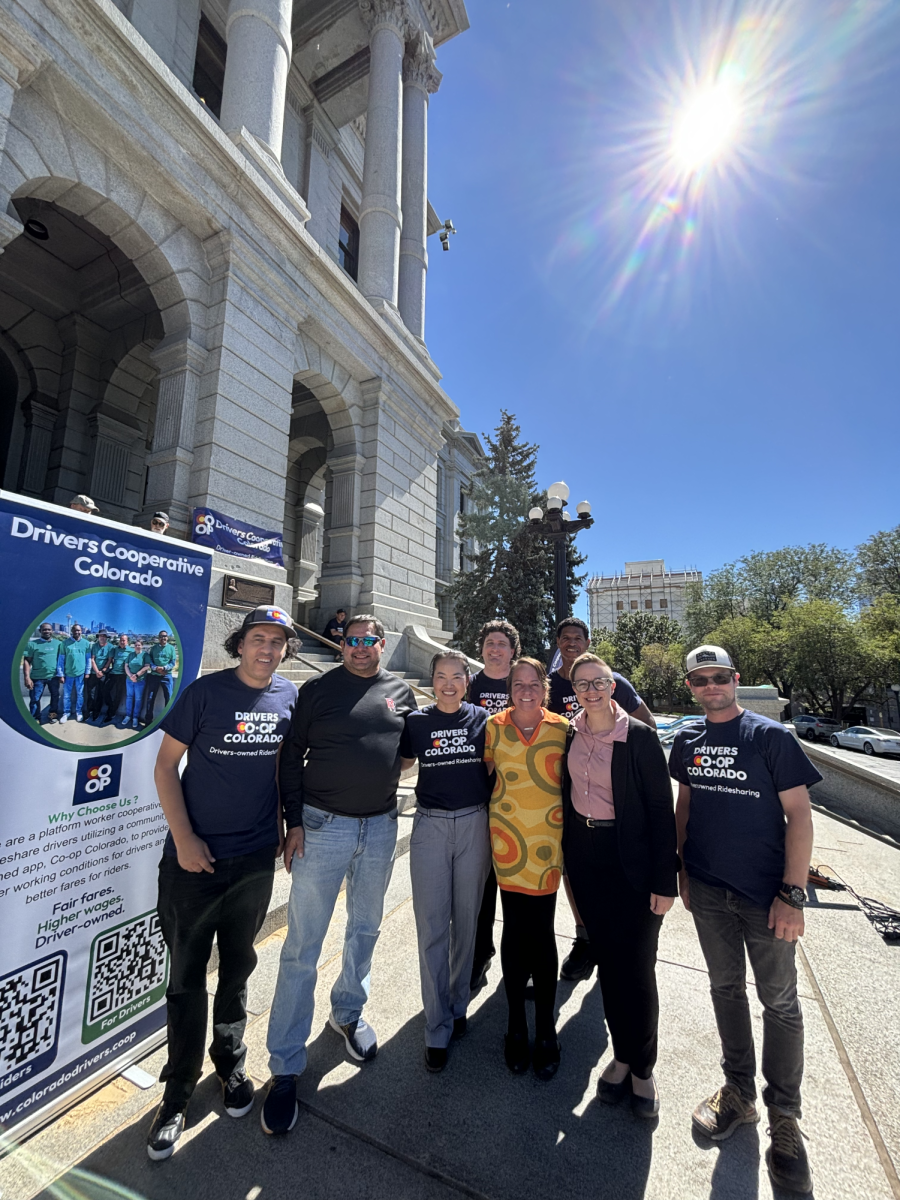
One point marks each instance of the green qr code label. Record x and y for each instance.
(128, 972)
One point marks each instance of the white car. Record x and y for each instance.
(868, 738)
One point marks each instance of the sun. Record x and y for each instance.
(706, 127)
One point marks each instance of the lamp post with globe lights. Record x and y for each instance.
(556, 526)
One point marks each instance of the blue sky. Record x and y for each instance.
(710, 356)
(114, 609)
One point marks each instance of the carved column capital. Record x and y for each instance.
(386, 14)
(419, 68)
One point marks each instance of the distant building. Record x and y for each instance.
(461, 455)
(642, 587)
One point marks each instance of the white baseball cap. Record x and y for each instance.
(708, 656)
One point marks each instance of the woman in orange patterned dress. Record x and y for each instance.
(525, 746)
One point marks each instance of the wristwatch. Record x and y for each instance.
(792, 895)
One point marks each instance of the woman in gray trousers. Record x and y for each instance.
(449, 850)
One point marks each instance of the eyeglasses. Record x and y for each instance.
(161, 524)
(355, 641)
(702, 681)
(601, 684)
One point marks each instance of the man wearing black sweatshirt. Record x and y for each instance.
(340, 767)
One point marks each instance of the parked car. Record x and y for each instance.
(667, 735)
(868, 738)
(811, 727)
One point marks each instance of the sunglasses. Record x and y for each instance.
(593, 685)
(355, 641)
(719, 679)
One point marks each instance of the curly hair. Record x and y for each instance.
(497, 626)
(541, 674)
(573, 623)
(234, 639)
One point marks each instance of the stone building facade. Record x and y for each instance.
(459, 459)
(213, 225)
(642, 587)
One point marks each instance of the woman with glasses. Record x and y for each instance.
(620, 848)
(525, 746)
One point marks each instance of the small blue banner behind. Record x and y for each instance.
(230, 536)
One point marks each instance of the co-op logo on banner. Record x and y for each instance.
(715, 762)
(97, 778)
(206, 525)
(449, 741)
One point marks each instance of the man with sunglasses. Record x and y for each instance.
(745, 836)
(573, 638)
(339, 772)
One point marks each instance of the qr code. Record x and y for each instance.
(30, 1007)
(128, 970)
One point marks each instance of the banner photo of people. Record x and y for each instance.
(102, 626)
(230, 536)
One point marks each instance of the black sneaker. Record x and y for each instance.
(167, 1128)
(359, 1038)
(786, 1157)
(435, 1058)
(580, 963)
(238, 1093)
(280, 1109)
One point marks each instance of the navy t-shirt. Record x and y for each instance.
(490, 694)
(735, 831)
(564, 701)
(450, 750)
(232, 732)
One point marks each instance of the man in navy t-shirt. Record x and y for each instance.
(745, 834)
(573, 638)
(449, 853)
(215, 878)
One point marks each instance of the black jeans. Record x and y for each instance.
(484, 931)
(112, 695)
(154, 683)
(528, 947)
(93, 696)
(624, 934)
(727, 925)
(231, 904)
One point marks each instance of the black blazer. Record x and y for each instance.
(645, 812)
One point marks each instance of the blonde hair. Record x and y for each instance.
(541, 671)
(583, 659)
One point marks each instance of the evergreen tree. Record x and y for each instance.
(510, 574)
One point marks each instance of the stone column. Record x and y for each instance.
(169, 463)
(420, 79)
(40, 419)
(322, 198)
(306, 569)
(341, 579)
(256, 70)
(380, 217)
(20, 60)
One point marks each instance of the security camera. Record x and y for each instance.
(445, 234)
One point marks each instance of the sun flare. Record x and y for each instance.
(707, 127)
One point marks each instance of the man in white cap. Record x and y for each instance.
(745, 835)
(218, 863)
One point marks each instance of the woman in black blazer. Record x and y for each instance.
(619, 847)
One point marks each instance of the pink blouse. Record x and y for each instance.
(590, 765)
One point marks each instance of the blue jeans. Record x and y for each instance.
(362, 850)
(134, 695)
(77, 682)
(727, 925)
(38, 687)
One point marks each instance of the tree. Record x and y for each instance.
(511, 573)
(602, 646)
(759, 650)
(633, 631)
(660, 676)
(879, 563)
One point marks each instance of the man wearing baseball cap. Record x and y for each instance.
(84, 504)
(215, 877)
(745, 835)
(159, 522)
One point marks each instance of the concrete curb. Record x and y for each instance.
(857, 792)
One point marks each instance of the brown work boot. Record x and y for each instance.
(786, 1157)
(720, 1115)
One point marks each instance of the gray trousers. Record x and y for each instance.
(449, 859)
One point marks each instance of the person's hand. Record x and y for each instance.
(660, 905)
(293, 844)
(194, 855)
(160, 670)
(786, 920)
(684, 889)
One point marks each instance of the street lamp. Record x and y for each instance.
(556, 527)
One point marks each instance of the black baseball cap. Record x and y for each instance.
(268, 615)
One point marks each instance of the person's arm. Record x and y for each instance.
(61, 665)
(290, 777)
(643, 713)
(787, 921)
(193, 853)
(682, 812)
(26, 671)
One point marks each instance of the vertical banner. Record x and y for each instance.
(106, 623)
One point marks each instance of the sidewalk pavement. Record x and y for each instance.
(390, 1129)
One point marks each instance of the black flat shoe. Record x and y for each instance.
(545, 1058)
(516, 1052)
(613, 1093)
(435, 1058)
(646, 1107)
